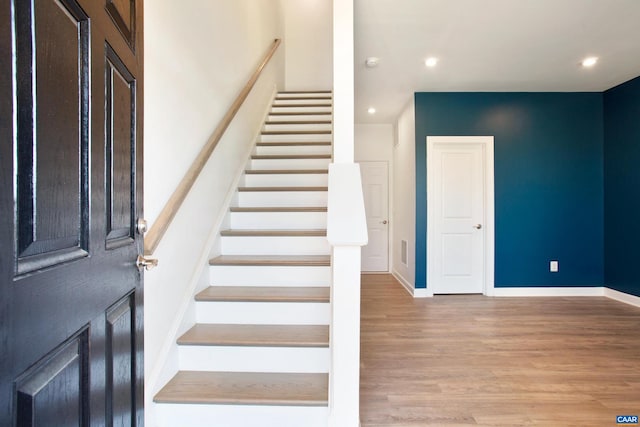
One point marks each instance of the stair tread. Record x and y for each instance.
(246, 388)
(296, 132)
(300, 113)
(306, 98)
(314, 105)
(273, 260)
(280, 209)
(297, 122)
(304, 91)
(263, 189)
(289, 156)
(256, 335)
(284, 171)
(293, 144)
(273, 233)
(264, 294)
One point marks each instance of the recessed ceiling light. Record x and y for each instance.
(372, 62)
(589, 62)
(431, 62)
(371, 110)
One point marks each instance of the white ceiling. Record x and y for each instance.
(490, 45)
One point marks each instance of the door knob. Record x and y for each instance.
(477, 226)
(384, 222)
(146, 263)
(141, 226)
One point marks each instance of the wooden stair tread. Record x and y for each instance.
(273, 260)
(301, 105)
(305, 98)
(289, 156)
(279, 209)
(256, 335)
(245, 388)
(296, 132)
(264, 294)
(296, 122)
(300, 113)
(293, 144)
(304, 91)
(273, 233)
(284, 171)
(266, 189)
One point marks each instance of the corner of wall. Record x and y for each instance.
(403, 195)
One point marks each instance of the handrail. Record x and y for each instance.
(170, 209)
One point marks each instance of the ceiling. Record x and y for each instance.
(489, 45)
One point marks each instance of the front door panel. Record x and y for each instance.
(71, 330)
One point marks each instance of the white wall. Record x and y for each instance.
(308, 44)
(404, 198)
(374, 142)
(198, 56)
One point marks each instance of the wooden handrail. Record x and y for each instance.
(160, 226)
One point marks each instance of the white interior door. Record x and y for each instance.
(375, 186)
(457, 261)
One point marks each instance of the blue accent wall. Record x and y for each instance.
(622, 187)
(549, 180)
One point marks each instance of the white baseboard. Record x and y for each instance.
(422, 293)
(416, 293)
(622, 297)
(532, 291)
(550, 292)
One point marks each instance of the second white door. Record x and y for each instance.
(457, 259)
(375, 187)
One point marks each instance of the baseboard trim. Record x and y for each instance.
(416, 293)
(622, 297)
(596, 291)
(550, 292)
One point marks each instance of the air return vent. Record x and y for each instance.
(403, 252)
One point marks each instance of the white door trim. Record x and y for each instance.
(489, 249)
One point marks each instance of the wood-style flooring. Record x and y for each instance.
(470, 360)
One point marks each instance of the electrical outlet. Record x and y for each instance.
(553, 266)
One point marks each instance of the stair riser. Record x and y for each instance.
(297, 127)
(278, 220)
(274, 245)
(286, 180)
(232, 275)
(304, 94)
(254, 359)
(276, 109)
(295, 137)
(271, 164)
(293, 149)
(263, 313)
(302, 101)
(282, 198)
(294, 117)
(171, 415)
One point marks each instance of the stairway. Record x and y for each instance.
(259, 352)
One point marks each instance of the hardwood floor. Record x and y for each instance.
(473, 360)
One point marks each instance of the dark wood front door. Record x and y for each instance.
(71, 337)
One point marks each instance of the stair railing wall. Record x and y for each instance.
(347, 233)
(346, 230)
(171, 208)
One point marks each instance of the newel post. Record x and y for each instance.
(347, 233)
